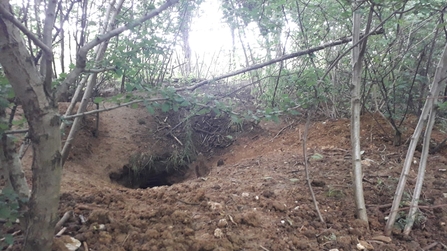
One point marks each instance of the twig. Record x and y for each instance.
(188, 203)
(85, 246)
(13, 234)
(82, 218)
(306, 166)
(284, 128)
(64, 218)
(263, 248)
(434, 244)
(125, 239)
(60, 233)
(176, 139)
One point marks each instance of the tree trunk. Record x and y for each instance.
(184, 30)
(10, 166)
(109, 20)
(13, 168)
(428, 107)
(43, 119)
(355, 116)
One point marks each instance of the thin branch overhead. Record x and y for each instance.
(10, 17)
(276, 60)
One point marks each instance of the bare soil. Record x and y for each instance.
(251, 195)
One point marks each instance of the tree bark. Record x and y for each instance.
(355, 116)
(43, 119)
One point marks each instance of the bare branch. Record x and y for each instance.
(113, 107)
(276, 60)
(111, 68)
(10, 17)
(16, 131)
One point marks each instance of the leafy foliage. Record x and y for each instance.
(9, 212)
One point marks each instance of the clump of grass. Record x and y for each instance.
(335, 193)
(140, 162)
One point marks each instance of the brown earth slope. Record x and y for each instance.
(256, 200)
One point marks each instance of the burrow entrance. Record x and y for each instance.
(181, 136)
(144, 171)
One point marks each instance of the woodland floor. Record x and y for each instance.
(257, 200)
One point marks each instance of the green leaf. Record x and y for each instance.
(98, 100)
(317, 156)
(150, 110)
(9, 239)
(4, 126)
(185, 103)
(129, 87)
(165, 107)
(134, 106)
(5, 212)
(202, 111)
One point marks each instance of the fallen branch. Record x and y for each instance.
(306, 167)
(64, 218)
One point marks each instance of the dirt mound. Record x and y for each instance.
(251, 196)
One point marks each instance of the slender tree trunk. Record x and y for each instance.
(62, 36)
(412, 213)
(10, 163)
(355, 116)
(112, 12)
(184, 29)
(13, 168)
(43, 119)
(428, 106)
